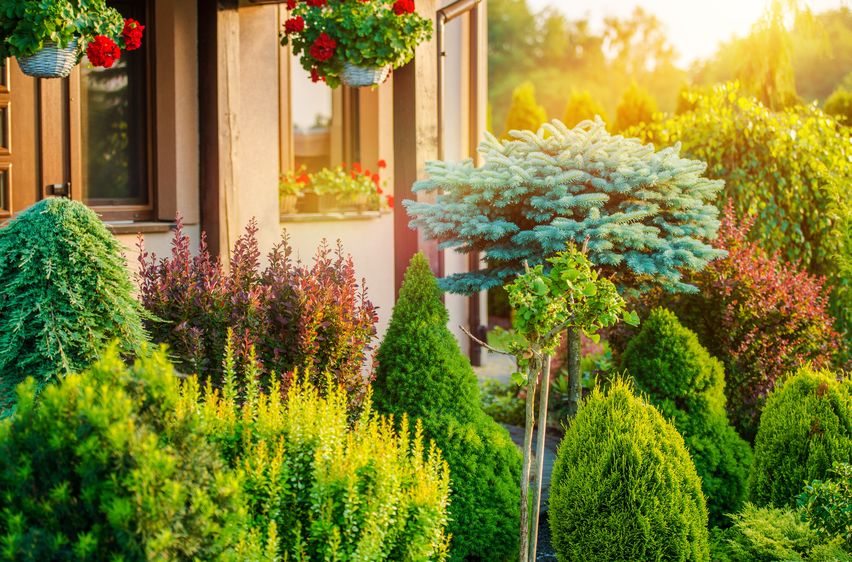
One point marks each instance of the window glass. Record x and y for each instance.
(312, 111)
(114, 121)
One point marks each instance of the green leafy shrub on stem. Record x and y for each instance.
(686, 384)
(624, 486)
(103, 467)
(65, 294)
(422, 373)
(771, 534)
(318, 487)
(827, 504)
(805, 428)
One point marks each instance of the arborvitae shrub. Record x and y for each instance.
(805, 427)
(102, 467)
(320, 486)
(525, 114)
(772, 534)
(637, 106)
(422, 373)
(624, 486)
(64, 295)
(687, 385)
(582, 106)
(292, 315)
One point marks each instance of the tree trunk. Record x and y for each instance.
(532, 379)
(575, 383)
(539, 454)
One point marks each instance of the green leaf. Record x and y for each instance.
(519, 378)
(631, 318)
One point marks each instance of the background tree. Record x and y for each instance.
(637, 106)
(839, 105)
(646, 214)
(582, 106)
(524, 113)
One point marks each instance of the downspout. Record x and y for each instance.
(444, 16)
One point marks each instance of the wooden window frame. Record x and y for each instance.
(121, 212)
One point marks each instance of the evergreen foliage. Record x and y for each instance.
(422, 373)
(637, 106)
(827, 504)
(791, 171)
(624, 486)
(646, 214)
(101, 467)
(524, 114)
(64, 295)
(839, 105)
(581, 107)
(772, 534)
(806, 426)
(686, 384)
(318, 484)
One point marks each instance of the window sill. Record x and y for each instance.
(146, 227)
(333, 216)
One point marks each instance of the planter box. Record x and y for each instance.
(331, 203)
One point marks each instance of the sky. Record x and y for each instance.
(695, 27)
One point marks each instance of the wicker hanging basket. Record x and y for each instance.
(52, 61)
(361, 76)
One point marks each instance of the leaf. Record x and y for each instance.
(519, 378)
(631, 318)
(590, 290)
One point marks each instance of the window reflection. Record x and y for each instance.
(311, 114)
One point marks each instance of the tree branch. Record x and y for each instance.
(483, 344)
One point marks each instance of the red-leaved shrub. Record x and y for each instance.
(762, 317)
(315, 319)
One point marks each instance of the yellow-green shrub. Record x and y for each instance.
(525, 114)
(806, 426)
(319, 488)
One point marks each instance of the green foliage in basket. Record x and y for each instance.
(326, 34)
(351, 184)
(26, 25)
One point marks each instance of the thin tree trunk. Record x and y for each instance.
(575, 383)
(539, 454)
(532, 376)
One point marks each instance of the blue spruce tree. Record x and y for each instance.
(646, 216)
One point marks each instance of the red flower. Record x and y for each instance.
(294, 25)
(317, 3)
(304, 179)
(390, 201)
(383, 164)
(367, 173)
(323, 47)
(379, 190)
(356, 167)
(402, 7)
(376, 179)
(291, 4)
(315, 76)
(103, 52)
(132, 34)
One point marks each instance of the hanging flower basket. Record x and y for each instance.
(353, 42)
(46, 35)
(360, 76)
(52, 61)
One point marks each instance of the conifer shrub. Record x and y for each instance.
(768, 534)
(624, 486)
(422, 373)
(637, 106)
(686, 384)
(318, 485)
(100, 467)
(64, 295)
(289, 315)
(805, 428)
(525, 114)
(582, 106)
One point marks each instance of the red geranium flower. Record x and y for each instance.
(317, 3)
(291, 4)
(315, 76)
(383, 164)
(379, 190)
(401, 7)
(294, 25)
(323, 47)
(103, 52)
(376, 179)
(357, 167)
(390, 201)
(132, 34)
